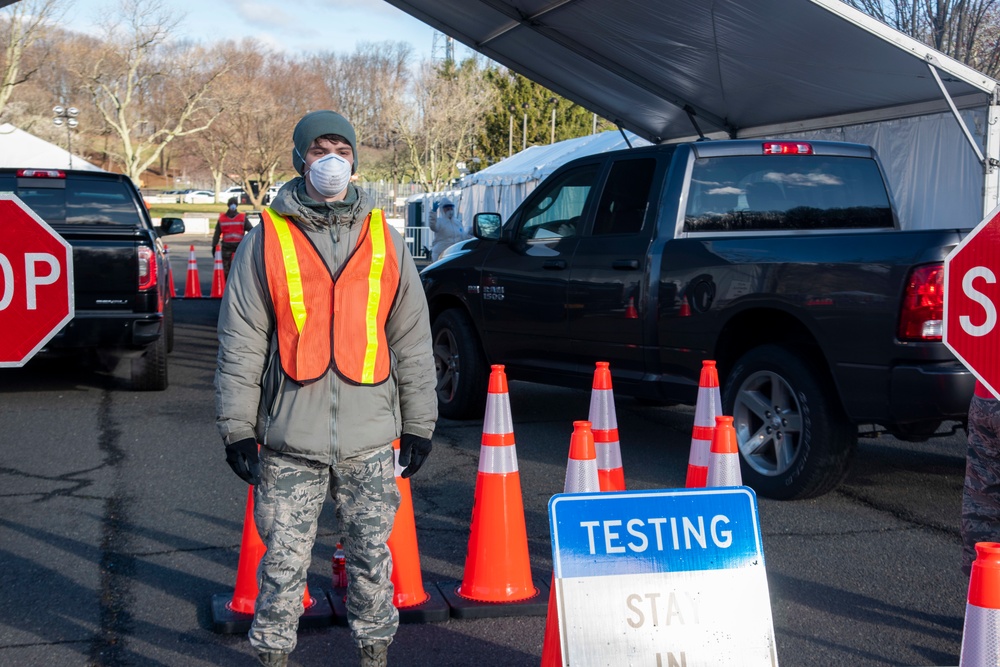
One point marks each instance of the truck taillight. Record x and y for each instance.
(787, 148)
(147, 268)
(40, 173)
(922, 315)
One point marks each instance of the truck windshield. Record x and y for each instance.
(780, 192)
(76, 201)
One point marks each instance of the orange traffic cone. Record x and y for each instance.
(982, 612)
(707, 408)
(581, 477)
(192, 287)
(724, 458)
(497, 578)
(605, 428)
(416, 604)
(218, 275)
(170, 270)
(234, 613)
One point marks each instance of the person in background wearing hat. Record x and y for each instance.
(324, 396)
(446, 227)
(230, 228)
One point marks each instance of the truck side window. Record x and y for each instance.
(778, 192)
(555, 212)
(625, 198)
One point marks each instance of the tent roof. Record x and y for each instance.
(537, 162)
(21, 149)
(739, 66)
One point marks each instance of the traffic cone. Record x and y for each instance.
(724, 458)
(497, 578)
(581, 477)
(981, 632)
(234, 613)
(170, 270)
(630, 311)
(192, 287)
(416, 604)
(218, 275)
(707, 408)
(605, 428)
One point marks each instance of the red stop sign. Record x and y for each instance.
(36, 282)
(972, 300)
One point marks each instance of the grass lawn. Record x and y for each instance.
(178, 210)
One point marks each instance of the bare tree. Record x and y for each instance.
(146, 91)
(21, 25)
(440, 126)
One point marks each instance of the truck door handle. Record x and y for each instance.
(554, 264)
(625, 264)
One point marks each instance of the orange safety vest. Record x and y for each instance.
(315, 309)
(232, 228)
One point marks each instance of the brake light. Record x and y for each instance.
(147, 268)
(787, 148)
(40, 173)
(923, 304)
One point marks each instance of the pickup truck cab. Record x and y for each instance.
(782, 261)
(121, 275)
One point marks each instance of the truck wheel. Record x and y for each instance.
(168, 325)
(460, 367)
(794, 439)
(149, 372)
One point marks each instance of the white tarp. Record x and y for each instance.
(21, 149)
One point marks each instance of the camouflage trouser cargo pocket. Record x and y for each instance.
(981, 494)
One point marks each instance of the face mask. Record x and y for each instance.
(232, 208)
(330, 175)
(449, 213)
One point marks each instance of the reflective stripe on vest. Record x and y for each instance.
(314, 311)
(232, 229)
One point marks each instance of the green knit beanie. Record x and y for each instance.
(316, 124)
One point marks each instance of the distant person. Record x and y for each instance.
(447, 228)
(230, 228)
(981, 491)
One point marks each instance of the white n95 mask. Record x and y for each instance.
(330, 175)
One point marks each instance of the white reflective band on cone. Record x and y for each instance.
(700, 452)
(581, 477)
(981, 637)
(497, 418)
(602, 410)
(497, 460)
(724, 470)
(609, 455)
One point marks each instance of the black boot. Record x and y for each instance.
(374, 654)
(272, 659)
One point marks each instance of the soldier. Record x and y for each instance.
(230, 228)
(324, 396)
(981, 491)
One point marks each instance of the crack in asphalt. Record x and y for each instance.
(76, 485)
(52, 643)
(117, 566)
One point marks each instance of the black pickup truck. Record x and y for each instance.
(783, 261)
(121, 279)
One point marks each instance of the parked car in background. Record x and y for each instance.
(198, 197)
(233, 191)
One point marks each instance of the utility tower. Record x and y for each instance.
(443, 48)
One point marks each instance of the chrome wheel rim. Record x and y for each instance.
(767, 417)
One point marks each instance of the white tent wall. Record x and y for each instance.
(20, 149)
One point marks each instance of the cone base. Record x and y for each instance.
(228, 622)
(536, 605)
(432, 610)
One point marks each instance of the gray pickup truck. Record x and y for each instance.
(783, 261)
(121, 274)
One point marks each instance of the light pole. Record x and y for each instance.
(552, 137)
(510, 131)
(524, 127)
(67, 116)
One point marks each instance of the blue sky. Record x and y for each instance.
(296, 26)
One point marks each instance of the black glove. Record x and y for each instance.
(413, 451)
(243, 458)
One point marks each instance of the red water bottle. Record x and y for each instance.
(339, 567)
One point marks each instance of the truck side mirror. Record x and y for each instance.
(170, 226)
(487, 226)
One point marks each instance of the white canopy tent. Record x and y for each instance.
(22, 149)
(672, 70)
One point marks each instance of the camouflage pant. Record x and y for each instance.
(981, 495)
(287, 503)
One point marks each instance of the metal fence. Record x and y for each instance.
(391, 197)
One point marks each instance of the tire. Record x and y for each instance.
(168, 325)
(795, 441)
(460, 367)
(149, 372)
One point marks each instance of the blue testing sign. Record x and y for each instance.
(670, 577)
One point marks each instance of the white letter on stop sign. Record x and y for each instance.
(7, 271)
(981, 299)
(33, 280)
